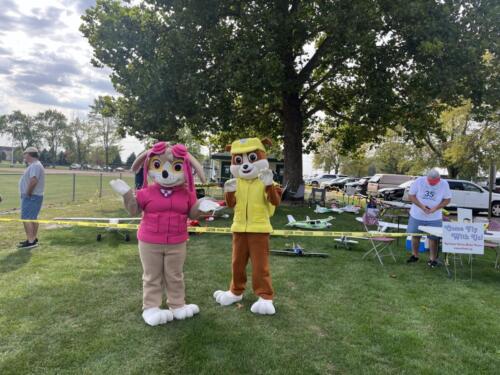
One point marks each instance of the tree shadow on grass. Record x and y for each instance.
(14, 261)
(85, 239)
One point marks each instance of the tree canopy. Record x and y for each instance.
(348, 69)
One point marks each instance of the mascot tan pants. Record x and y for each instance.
(162, 269)
(256, 247)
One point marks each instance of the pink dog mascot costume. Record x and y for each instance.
(165, 205)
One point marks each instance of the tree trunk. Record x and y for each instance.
(293, 125)
(452, 171)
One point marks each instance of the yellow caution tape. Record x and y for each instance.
(223, 230)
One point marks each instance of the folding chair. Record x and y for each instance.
(494, 226)
(378, 244)
(318, 196)
(296, 196)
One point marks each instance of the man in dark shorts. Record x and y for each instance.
(428, 194)
(31, 188)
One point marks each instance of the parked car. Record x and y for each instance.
(338, 183)
(394, 193)
(466, 194)
(326, 183)
(361, 185)
(119, 169)
(324, 177)
(485, 184)
(75, 166)
(96, 168)
(381, 181)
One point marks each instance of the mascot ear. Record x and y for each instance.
(228, 148)
(197, 167)
(267, 142)
(139, 161)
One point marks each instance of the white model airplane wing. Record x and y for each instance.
(397, 204)
(319, 209)
(207, 205)
(291, 219)
(386, 225)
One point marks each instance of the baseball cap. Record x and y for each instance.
(433, 177)
(30, 149)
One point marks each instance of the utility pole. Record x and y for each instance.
(493, 174)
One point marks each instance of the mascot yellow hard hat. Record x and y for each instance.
(245, 145)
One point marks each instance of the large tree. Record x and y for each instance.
(53, 127)
(80, 136)
(22, 129)
(103, 118)
(271, 66)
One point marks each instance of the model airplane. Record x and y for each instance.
(384, 225)
(116, 220)
(338, 210)
(309, 224)
(298, 251)
(108, 220)
(397, 204)
(213, 208)
(346, 242)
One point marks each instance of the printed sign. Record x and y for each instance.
(463, 238)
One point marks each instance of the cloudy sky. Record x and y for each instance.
(45, 62)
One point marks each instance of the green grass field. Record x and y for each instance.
(72, 306)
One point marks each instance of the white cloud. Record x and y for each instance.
(44, 59)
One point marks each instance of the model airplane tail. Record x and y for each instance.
(291, 219)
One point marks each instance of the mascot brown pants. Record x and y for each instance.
(162, 269)
(256, 247)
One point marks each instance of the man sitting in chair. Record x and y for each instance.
(428, 195)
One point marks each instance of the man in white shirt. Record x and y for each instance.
(428, 194)
(31, 189)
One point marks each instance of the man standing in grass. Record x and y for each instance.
(31, 187)
(428, 196)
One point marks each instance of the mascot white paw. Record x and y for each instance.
(155, 316)
(226, 298)
(263, 307)
(186, 311)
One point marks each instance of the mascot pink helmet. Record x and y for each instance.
(178, 151)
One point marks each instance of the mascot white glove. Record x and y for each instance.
(230, 186)
(266, 176)
(119, 186)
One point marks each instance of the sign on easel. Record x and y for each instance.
(464, 215)
(463, 238)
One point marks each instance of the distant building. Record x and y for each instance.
(221, 163)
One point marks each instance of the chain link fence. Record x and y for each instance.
(74, 187)
(61, 188)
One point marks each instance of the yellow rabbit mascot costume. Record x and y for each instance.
(254, 196)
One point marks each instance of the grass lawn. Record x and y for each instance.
(73, 306)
